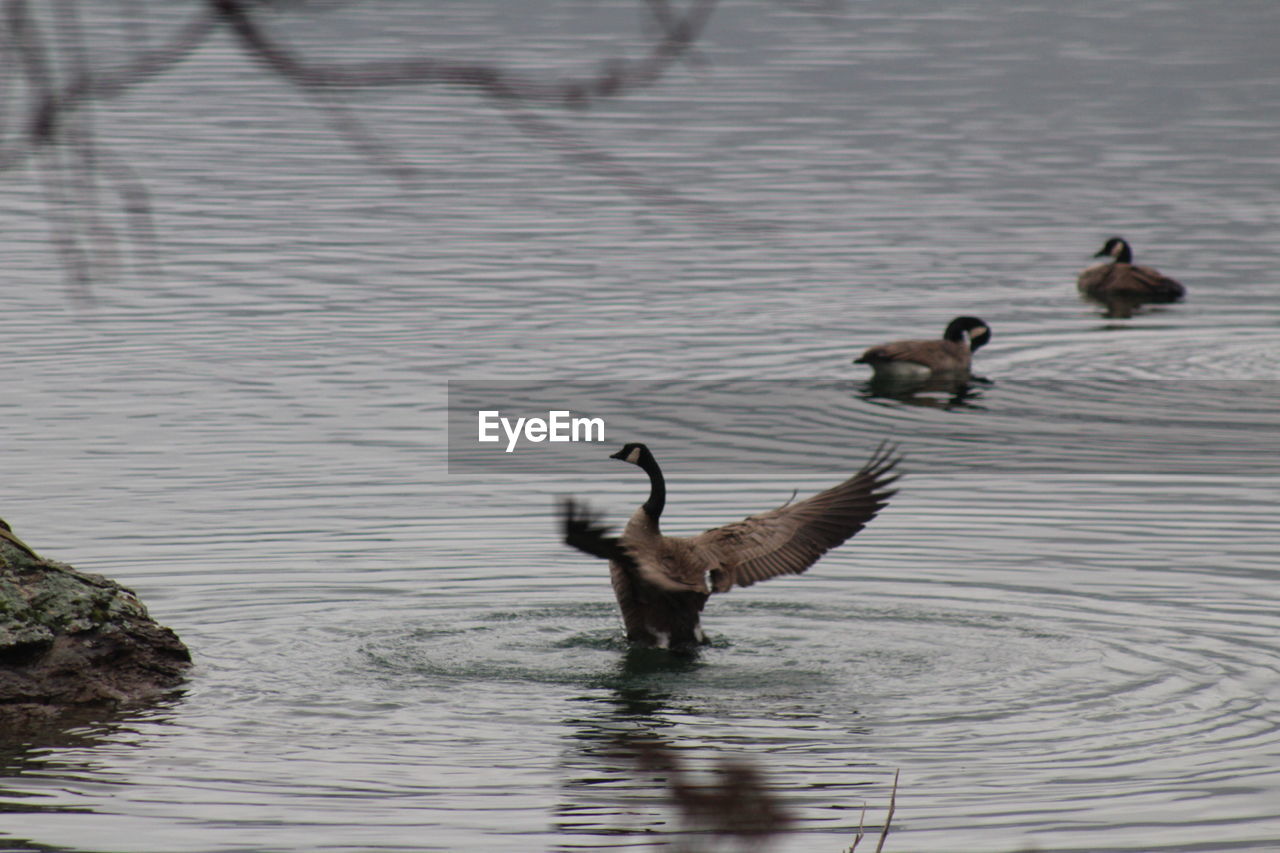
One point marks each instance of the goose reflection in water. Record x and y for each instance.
(624, 775)
(934, 392)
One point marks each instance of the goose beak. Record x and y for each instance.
(621, 454)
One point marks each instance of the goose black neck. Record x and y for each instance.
(1126, 254)
(657, 488)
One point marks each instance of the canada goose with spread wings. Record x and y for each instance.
(662, 582)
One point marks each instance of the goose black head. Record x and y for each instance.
(1116, 248)
(634, 452)
(977, 330)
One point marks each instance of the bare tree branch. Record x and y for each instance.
(56, 127)
(617, 77)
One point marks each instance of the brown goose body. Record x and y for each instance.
(662, 582)
(660, 593)
(1123, 279)
(950, 354)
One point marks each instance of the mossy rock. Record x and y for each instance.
(68, 638)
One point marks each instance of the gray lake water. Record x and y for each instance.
(1064, 637)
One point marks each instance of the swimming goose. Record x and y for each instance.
(1122, 279)
(948, 355)
(662, 582)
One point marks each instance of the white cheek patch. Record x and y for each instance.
(978, 332)
(634, 456)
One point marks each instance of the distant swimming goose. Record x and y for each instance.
(1121, 279)
(662, 582)
(949, 354)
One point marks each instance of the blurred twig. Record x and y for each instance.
(614, 78)
(55, 130)
(59, 85)
(515, 93)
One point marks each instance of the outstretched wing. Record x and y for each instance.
(582, 530)
(791, 538)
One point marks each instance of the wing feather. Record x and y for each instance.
(791, 538)
(664, 563)
(582, 530)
